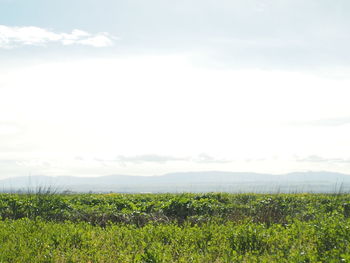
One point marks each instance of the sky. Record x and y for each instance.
(92, 88)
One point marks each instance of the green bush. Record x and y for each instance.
(211, 227)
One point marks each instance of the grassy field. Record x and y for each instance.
(46, 227)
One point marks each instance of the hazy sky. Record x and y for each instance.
(99, 87)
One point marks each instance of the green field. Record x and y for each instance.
(46, 227)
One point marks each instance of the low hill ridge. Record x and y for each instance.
(206, 181)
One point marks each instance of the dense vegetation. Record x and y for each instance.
(45, 227)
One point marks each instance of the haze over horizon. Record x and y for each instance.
(90, 88)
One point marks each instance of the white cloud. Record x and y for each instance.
(11, 37)
(319, 159)
(150, 158)
(100, 40)
(121, 109)
(9, 128)
(329, 122)
(206, 158)
(202, 158)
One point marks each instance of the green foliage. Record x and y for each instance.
(147, 228)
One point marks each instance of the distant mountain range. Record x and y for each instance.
(209, 181)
